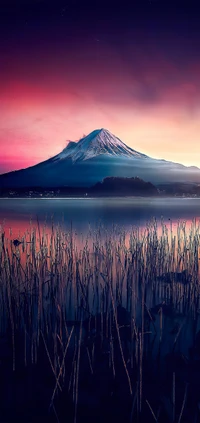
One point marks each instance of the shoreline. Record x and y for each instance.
(100, 197)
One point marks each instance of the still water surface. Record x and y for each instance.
(126, 212)
(162, 255)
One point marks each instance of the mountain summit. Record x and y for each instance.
(98, 142)
(94, 157)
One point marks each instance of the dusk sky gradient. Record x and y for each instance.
(68, 68)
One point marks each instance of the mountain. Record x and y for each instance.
(96, 143)
(95, 157)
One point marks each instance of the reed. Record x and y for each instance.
(124, 297)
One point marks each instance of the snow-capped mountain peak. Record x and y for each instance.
(98, 142)
(97, 156)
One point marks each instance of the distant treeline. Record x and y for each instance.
(110, 186)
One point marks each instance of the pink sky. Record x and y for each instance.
(56, 92)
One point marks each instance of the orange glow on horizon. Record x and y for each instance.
(155, 111)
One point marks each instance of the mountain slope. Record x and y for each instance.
(98, 142)
(95, 157)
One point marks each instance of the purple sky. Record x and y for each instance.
(67, 69)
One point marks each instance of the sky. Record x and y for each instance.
(69, 67)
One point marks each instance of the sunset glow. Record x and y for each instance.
(60, 80)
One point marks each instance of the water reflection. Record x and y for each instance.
(79, 268)
(125, 212)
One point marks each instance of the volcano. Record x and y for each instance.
(94, 157)
(97, 143)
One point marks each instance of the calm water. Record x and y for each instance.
(69, 276)
(126, 212)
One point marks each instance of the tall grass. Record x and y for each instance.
(131, 296)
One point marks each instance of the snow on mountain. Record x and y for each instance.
(98, 142)
(97, 156)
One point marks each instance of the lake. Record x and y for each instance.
(126, 212)
(110, 226)
(102, 296)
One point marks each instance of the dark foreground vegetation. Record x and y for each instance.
(104, 328)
